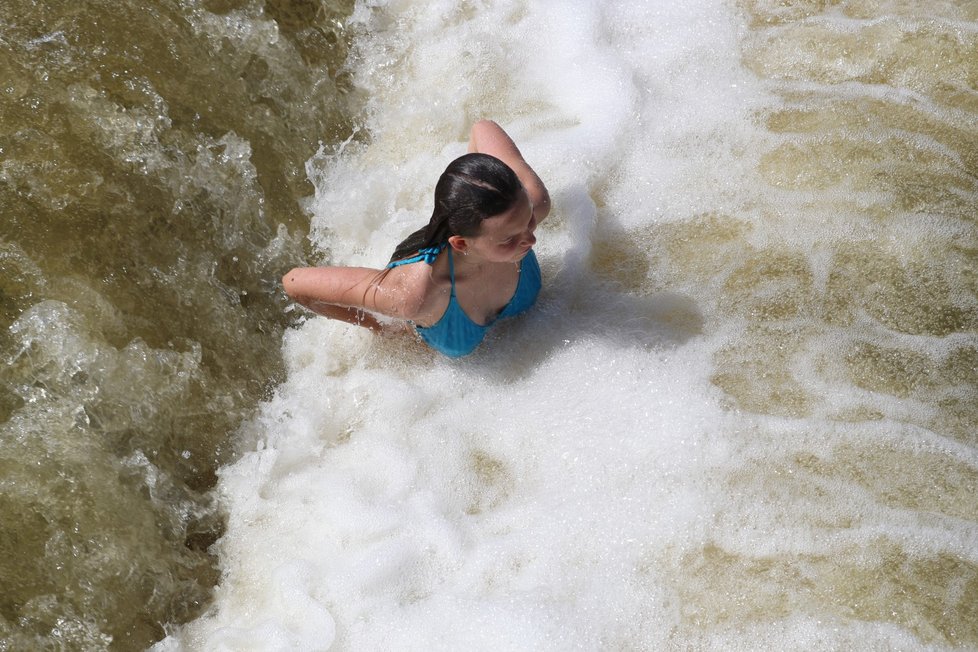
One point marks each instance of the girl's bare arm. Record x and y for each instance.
(487, 137)
(347, 293)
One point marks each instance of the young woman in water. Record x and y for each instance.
(472, 264)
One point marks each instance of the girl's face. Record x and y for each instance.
(502, 238)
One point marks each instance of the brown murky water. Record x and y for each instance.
(151, 184)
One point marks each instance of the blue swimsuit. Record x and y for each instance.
(455, 334)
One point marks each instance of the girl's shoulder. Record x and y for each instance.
(417, 287)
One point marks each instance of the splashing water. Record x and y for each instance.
(743, 413)
(741, 416)
(151, 168)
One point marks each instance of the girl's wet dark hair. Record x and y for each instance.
(472, 188)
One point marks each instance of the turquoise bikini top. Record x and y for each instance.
(454, 334)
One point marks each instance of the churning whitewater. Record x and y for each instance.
(742, 413)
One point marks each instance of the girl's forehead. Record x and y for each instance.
(513, 220)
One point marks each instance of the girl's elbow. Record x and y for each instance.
(291, 282)
(485, 125)
(540, 199)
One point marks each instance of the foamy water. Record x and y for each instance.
(742, 414)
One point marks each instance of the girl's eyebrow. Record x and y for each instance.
(507, 239)
(517, 234)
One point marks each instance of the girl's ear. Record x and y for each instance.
(458, 243)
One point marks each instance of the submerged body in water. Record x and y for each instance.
(468, 260)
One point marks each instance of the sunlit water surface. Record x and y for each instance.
(742, 416)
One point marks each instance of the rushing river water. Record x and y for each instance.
(151, 177)
(744, 414)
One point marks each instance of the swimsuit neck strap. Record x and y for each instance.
(451, 268)
(426, 255)
(429, 254)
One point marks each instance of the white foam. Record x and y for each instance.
(550, 491)
(462, 512)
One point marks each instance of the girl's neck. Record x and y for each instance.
(468, 264)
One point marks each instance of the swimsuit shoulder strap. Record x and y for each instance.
(451, 269)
